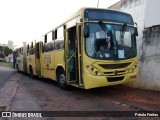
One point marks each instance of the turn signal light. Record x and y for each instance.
(133, 77)
(87, 66)
(92, 69)
(96, 72)
(132, 69)
(135, 66)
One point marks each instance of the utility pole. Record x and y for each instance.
(3, 48)
(3, 51)
(97, 3)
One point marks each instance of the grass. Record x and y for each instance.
(6, 64)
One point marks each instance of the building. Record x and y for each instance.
(146, 14)
(9, 58)
(10, 44)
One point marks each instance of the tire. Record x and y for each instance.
(31, 74)
(17, 68)
(62, 80)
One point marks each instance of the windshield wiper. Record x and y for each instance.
(109, 33)
(103, 26)
(123, 32)
(123, 29)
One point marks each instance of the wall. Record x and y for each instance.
(10, 44)
(116, 6)
(145, 14)
(150, 59)
(152, 16)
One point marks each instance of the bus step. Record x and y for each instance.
(76, 85)
(72, 81)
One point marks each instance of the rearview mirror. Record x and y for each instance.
(109, 33)
(136, 31)
(86, 30)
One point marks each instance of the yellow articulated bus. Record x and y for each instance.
(94, 48)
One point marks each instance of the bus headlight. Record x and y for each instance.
(133, 69)
(92, 70)
(96, 72)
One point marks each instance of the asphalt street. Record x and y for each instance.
(45, 95)
(5, 74)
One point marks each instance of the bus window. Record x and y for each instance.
(53, 36)
(37, 50)
(49, 37)
(60, 32)
(33, 49)
(59, 44)
(28, 49)
(49, 46)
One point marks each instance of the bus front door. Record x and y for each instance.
(71, 55)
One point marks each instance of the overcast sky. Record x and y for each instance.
(26, 20)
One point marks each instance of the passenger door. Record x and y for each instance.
(72, 54)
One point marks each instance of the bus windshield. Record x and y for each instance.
(119, 44)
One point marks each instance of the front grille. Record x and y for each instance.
(115, 66)
(118, 72)
(114, 79)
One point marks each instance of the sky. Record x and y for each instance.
(26, 20)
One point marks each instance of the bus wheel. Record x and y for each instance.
(62, 80)
(31, 74)
(18, 68)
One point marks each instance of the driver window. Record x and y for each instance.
(103, 41)
(127, 39)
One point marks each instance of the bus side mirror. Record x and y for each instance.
(136, 31)
(86, 31)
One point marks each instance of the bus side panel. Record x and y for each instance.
(28, 61)
(38, 67)
(48, 65)
(31, 62)
(59, 59)
(20, 64)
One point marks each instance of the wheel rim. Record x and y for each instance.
(62, 79)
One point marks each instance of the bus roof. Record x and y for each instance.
(79, 12)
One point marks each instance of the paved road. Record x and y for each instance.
(45, 95)
(5, 74)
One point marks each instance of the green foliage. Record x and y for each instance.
(6, 64)
(7, 50)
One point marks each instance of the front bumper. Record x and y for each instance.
(91, 81)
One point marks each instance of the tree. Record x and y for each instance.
(7, 50)
(2, 55)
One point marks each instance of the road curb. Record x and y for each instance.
(13, 94)
(8, 92)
